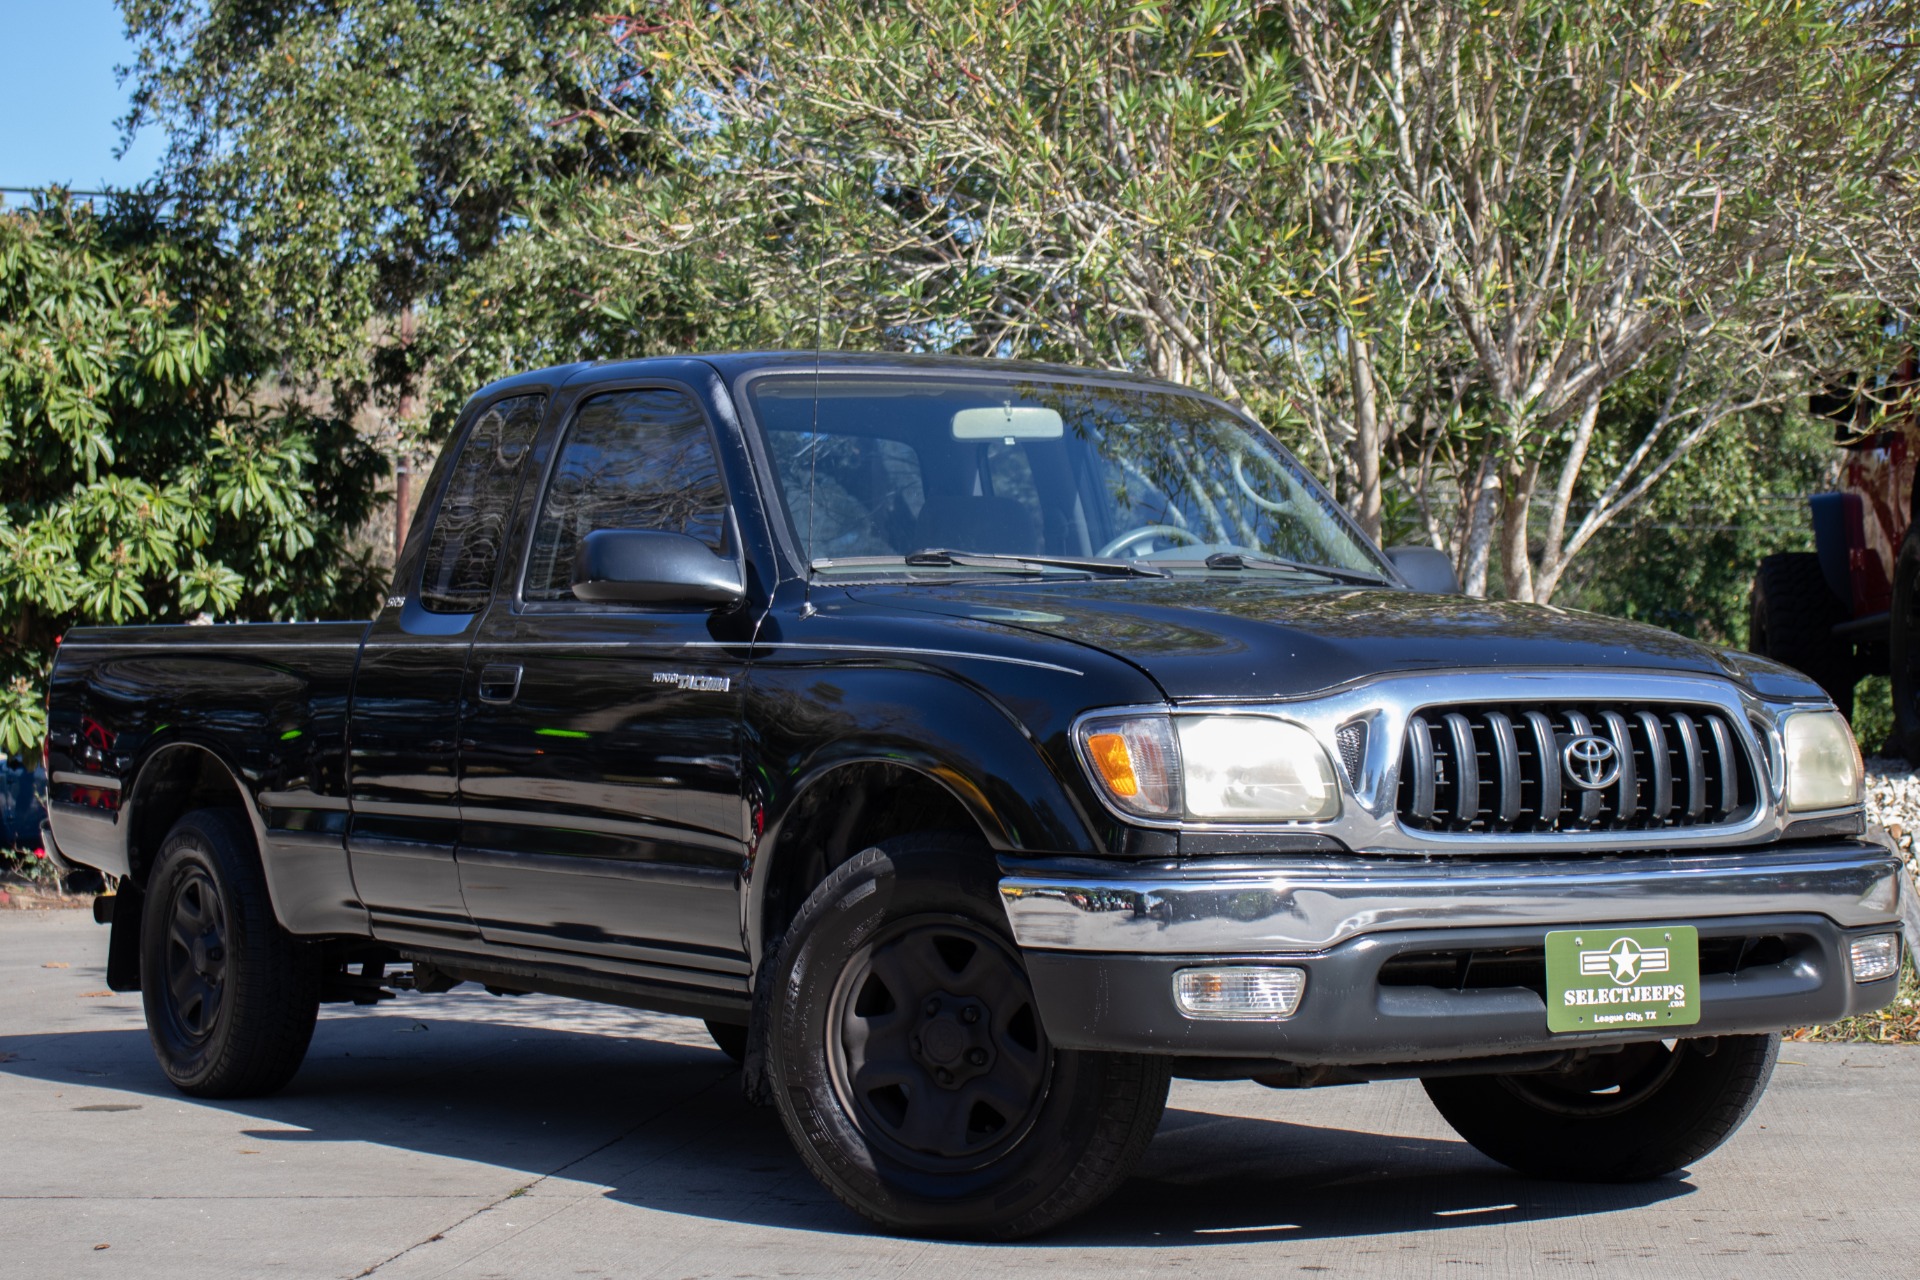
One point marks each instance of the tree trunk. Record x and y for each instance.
(1479, 551)
(1516, 557)
(1369, 441)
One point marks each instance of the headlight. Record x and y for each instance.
(1231, 769)
(1823, 763)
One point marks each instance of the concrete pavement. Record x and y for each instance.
(472, 1136)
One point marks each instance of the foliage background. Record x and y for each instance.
(1321, 210)
(148, 471)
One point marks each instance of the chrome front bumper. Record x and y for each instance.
(1288, 906)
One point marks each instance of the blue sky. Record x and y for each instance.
(59, 101)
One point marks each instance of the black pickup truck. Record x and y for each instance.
(974, 746)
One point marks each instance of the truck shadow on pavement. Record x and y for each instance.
(642, 1111)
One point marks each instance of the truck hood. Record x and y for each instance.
(1207, 639)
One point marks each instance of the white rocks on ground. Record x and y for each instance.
(1893, 801)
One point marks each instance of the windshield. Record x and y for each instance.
(887, 465)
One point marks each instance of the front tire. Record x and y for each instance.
(910, 1068)
(1619, 1117)
(231, 997)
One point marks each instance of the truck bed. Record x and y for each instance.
(268, 700)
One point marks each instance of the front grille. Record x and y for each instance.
(1352, 740)
(1505, 769)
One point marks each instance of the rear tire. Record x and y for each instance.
(1903, 650)
(1791, 614)
(230, 996)
(1622, 1117)
(910, 1068)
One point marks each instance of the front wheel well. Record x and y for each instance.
(850, 810)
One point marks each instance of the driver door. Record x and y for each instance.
(600, 754)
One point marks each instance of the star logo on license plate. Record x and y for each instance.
(1624, 962)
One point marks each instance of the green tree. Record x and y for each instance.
(1714, 193)
(385, 171)
(1455, 237)
(1111, 182)
(145, 473)
(1684, 559)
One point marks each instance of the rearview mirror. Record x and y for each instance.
(647, 566)
(1425, 569)
(1008, 422)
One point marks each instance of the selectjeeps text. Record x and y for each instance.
(975, 745)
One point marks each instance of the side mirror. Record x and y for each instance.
(647, 566)
(1426, 569)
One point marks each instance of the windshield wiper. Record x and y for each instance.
(943, 558)
(968, 559)
(1240, 560)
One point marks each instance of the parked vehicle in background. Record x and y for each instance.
(974, 746)
(1850, 608)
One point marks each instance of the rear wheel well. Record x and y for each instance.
(850, 810)
(172, 785)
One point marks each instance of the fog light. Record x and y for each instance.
(1239, 991)
(1876, 957)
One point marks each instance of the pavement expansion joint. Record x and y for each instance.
(527, 1189)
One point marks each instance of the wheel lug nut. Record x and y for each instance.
(933, 1007)
(969, 1015)
(978, 1057)
(944, 1076)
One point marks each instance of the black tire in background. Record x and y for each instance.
(1640, 1113)
(910, 1068)
(1903, 649)
(230, 996)
(1791, 614)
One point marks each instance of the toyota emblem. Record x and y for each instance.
(1591, 763)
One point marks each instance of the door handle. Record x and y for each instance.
(500, 682)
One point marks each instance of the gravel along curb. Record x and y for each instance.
(1893, 804)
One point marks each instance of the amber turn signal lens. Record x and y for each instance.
(1135, 762)
(1110, 755)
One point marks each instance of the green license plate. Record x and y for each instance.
(1623, 979)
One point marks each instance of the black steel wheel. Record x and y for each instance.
(1625, 1116)
(230, 996)
(910, 1066)
(195, 947)
(939, 1053)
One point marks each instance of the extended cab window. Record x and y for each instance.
(463, 548)
(630, 460)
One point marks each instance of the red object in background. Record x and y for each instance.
(1879, 472)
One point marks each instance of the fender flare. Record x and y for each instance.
(147, 777)
(982, 756)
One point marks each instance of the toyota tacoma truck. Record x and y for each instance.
(975, 746)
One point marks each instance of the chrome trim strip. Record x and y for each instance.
(1369, 821)
(1310, 908)
(99, 781)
